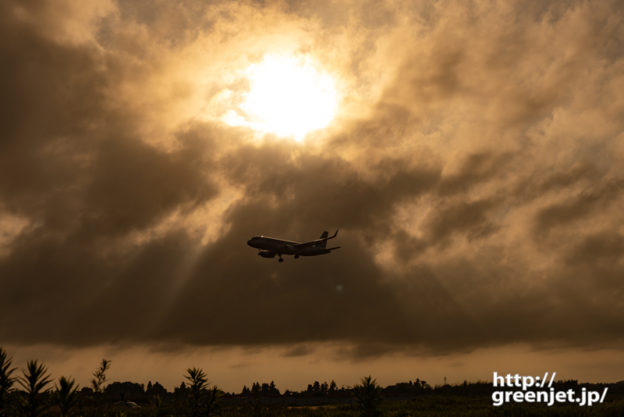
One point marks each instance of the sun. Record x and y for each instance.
(288, 96)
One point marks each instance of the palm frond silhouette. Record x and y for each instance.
(6, 380)
(66, 395)
(201, 399)
(34, 381)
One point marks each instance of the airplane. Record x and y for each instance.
(271, 246)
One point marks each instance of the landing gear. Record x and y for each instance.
(280, 258)
(296, 256)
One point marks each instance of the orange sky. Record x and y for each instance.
(469, 152)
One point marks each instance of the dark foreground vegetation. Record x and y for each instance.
(32, 392)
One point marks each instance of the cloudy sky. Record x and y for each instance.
(470, 153)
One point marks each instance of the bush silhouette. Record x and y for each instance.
(99, 376)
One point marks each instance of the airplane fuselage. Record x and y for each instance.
(285, 247)
(269, 246)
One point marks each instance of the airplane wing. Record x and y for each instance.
(314, 242)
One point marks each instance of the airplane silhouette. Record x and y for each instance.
(271, 246)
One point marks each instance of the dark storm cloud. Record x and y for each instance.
(606, 248)
(540, 183)
(72, 167)
(477, 200)
(468, 217)
(475, 169)
(325, 188)
(579, 206)
(252, 302)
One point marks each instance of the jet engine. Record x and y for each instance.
(267, 254)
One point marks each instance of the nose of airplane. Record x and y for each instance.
(249, 242)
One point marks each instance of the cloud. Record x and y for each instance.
(473, 173)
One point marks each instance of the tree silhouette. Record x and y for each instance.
(99, 376)
(316, 387)
(155, 389)
(332, 386)
(66, 395)
(368, 394)
(201, 399)
(255, 388)
(34, 381)
(6, 380)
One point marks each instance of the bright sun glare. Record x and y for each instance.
(288, 96)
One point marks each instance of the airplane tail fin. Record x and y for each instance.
(324, 236)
